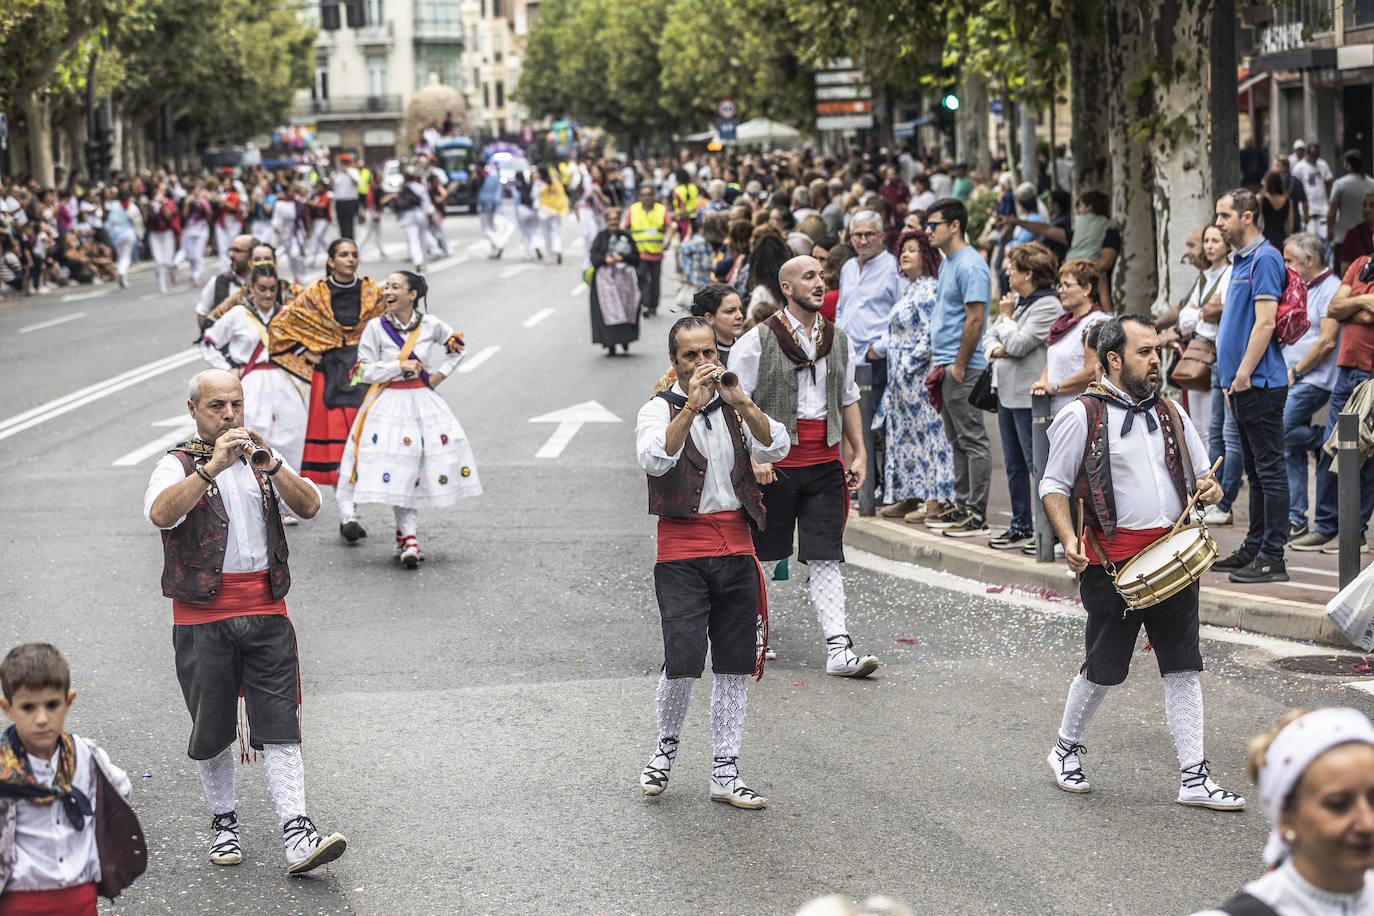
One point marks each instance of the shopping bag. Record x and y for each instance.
(1352, 610)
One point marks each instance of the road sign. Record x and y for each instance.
(727, 110)
(995, 106)
(4, 129)
(848, 91)
(726, 129)
(859, 106)
(839, 78)
(845, 122)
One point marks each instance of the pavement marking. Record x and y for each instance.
(514, 270)
(54, 321)
(93, 294)
(537, 317)
(156, 447)
(472, 362)
(451, 261)
(578, 290)
(69, 402)
(570, 420)
(1311, 585)
(1315, 571)
(1366, 686)
(151, 296)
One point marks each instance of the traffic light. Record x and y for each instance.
(950, 102)
(945, 112)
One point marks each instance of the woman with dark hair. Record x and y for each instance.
(316, 339)
(720, 305)
(918, 464)
(614, 286)
(406, 449)
(552, 206)
(273, 400)
(765, 293)
(834, 263)
(164, 230)
(738, 242)
(1277, 210)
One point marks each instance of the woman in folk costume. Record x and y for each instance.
(316, 339)
(164, 227)
(273, 400)
(614, 286)
(406, 449)
(196, 216)
(552, 207)
(321, 216)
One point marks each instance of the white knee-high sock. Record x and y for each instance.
(1183, 708)
(827, 595)
(729, 699)
(674, 699)
(407, 520)
(217, 776)
(348, 509)
(286, 779)
(1084, 698)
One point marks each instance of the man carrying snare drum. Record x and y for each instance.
(1130, 458)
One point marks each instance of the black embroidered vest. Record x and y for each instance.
(677, 494)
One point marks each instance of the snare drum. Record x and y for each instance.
(1166, 567)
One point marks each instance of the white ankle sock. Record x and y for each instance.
(729, 700)
(827, 596)
(217, 776)
(286, 779)
(1084, 698)
(674, 699)
(1183, 708)
(407, 520)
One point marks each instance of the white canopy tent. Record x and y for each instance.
(757, 130)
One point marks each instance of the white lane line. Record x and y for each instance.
(69, 402)
(578, 290)
(156, 447)
(1315, 571)
(55, 321)
(515, 270)
(93, 294)
(1315, 588)
(537, 317)
(151, 296)
(439, 267)
(481, 356)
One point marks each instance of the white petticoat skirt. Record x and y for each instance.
(412, 453)
(274, 407)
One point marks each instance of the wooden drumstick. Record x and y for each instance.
(1189, 508)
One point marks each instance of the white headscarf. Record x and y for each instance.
(1294, 748)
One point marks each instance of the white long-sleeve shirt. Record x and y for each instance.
(1214, 280)
(246, 549)
(744, 362)
(380, 356)
(237, 331)
(1144, 492)
(715, 443)
(48, 852)
(1286, 892)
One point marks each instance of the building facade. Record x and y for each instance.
(493, 51)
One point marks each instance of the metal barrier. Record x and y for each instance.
(1040, 453)
(863, 377)
(1349, 517)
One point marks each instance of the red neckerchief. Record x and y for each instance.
(791, 347)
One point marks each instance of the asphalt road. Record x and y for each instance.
(476, 727)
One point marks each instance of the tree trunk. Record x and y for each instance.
(1178, 144)
(972, 124)
(38, 121)
(1089, 88)
(1131, 170)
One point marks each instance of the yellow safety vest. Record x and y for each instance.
(647, 228)
(364, 181)
(686, 200)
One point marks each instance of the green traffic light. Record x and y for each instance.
(950, 102)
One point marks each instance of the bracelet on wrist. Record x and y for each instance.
(275, 468)
(200, 471)
(692, 409)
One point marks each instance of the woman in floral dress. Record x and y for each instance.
(919, 462)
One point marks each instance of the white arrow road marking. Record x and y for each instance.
(570, 420)
(537, 317)
(54, 321)
(69, 402)
(439, 267)
(578, 290)
(472, 362)
(157, 446)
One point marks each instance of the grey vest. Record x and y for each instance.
(776, 390)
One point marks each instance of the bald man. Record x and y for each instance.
(799, 369)
(222, 285)
(224, 567)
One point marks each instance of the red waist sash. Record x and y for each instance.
(1127, 543)
(717, 534)
(78, 900)
(415, 382)
(239, 595)
(810, 448)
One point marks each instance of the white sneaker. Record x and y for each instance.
(1214, 517)
(410, 552)
(1068, 769)
(225, 850)
(1199, 791)
(728, 787)
(842, 662)
(306, 849)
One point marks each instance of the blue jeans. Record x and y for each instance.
(1224, 439)
(1325, 515)
(1301, 437)
(1014, 423)
(1259, 420)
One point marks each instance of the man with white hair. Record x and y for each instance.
(870, 284)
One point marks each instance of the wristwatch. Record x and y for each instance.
(1054, 389)
(1297, 376)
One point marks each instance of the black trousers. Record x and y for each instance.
(812, 500)
(649, 273)
(347, 211)
(1172, 626)
(708, 599)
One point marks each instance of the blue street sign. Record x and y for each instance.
(725, 129)
(995, 106)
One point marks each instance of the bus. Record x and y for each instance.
(458, 158)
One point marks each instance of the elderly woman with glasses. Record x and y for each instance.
(1070, 361)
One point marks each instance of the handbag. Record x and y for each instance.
(339, 391)
(1194, 369)
(682, 299)
(984, 396)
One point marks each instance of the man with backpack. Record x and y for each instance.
(1255, 381)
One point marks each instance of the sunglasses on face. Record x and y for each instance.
(930, 226)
